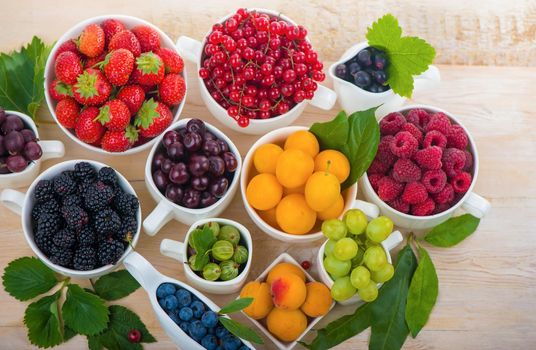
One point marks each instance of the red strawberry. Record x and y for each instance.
(111, 27)
(149, 69)
(87, 128)
(148, 38)
(91, 41)
(92, 62)
(68, 67)
(67, 112)
(153, 118)
(119, 141)
(114, 115)
(59, 90)
(172, 89)
(133, 96)
(69, 45)
(172, 61)
(92, 88)
(125, 40)
(118, 65)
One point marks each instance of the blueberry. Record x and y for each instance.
(174, 316)
(380, 62)
(185, 326)
(209, 342)
(198, 308)
(363, 58)
(362, 79)
(171, 302)
(230, 342)
(221, 331)
(186, 314)
(244, 347)
(209, 319)
(341, 71)
(164, 290)
(197, 330)
(184, 297)
(211, 330)
(161, 302)
(374, 88)
(353, 68)
(380, 77)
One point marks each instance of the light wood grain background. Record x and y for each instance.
(487, 294)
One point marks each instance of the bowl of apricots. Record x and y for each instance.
(287, 301)
(289, 185)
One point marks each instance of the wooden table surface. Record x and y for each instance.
(487, 297)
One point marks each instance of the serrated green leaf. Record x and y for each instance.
(422, 293)
(41, 319)
(452, 231)
(332, 134)
(240, 331)
(68, 334)
(236, 305)
(384, 30)
(27, 277)
(116, 285)
(202, 240)
(83, 312)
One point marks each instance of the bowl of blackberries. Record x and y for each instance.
(81, 218)
(192, 173)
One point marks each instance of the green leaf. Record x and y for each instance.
(389, 329)
(68, 334)
(83, 312)
(240, 330)
(43, 323)
(236, 305)
(384, 30)
(116, 285)
(122, 321)
(27, 277)
(22, 75)
(452, 231)
(422, 293)
(202, 240)
(332, 134)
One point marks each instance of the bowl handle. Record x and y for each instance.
(324, 98)
(158, 218)
(476, 205)
(393, 240)
(52, 149)
(142, 270)
(427, 80)
(371, 210)
(13, 200)
(172, 249)
(189, 48)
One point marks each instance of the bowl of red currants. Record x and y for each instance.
(192, 172)
(257, 71)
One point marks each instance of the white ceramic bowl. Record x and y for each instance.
(353, 98)
(278, 137)
(470, 202)
(286, 258)
(22, 204)
(51, 149)
(192, 50)
(167, 210)
(179, 251)
(149, 278)
(73, 33)
(388, 244)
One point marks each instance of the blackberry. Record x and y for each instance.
(69, 173)
(110, 251)
(44, 191)
(87, 236)
(108, 176)
(129, 227)
(85, 258)
(106, 222)
(48, 223)
(49, 207)
(84, 171)
(98, 196)
(44, 241)
(61, 256)
(72, 200)
(126, 204)
(83, 186)
(64, 185)
(64, 239)
(75, 217)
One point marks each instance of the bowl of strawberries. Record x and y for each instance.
(114, 83)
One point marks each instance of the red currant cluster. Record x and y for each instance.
(258, 66)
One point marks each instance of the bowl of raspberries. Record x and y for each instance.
(425, 168)
(80, 217)
(114, 83)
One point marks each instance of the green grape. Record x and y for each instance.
(336, 268)
(375, 258)
(328, 249)
(334, 229)
(342, 289)
(369, 293)
(229, 270)
(345, 249)
(240, 255)
(379, 229)
(358, 258)
(384, 274)
(214, 227)
(191, 262)
(356, 221)
(211, 272)
(229, 233)
(222, 250)
(360, 277)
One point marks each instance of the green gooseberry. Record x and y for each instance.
(211, 272)
(191, 262)
(214, 227)
(222, 250)
(229, 270)
(240, 255)
(229, 233)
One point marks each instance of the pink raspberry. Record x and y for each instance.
(377, 167)
(461, 182)
(374, 179)
(418, 117)
(429, 158)
(384, 153)
(434, 138)
(392, 123)
(468, 161)
(404, 145)
(453, 161)
(457, 138)
(445, 196)
(439, 208)
(423, 209)
(400, 205)
(434, 180)
(413, 130)
(405, 170)
(439, 122)
(414, 193)
(389, 189)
